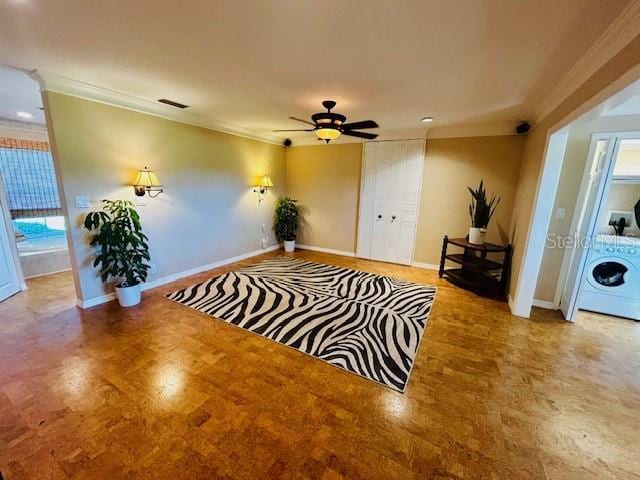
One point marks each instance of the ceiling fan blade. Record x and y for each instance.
(360, 125)
(295, 130)
(368, 136)
(303, 121)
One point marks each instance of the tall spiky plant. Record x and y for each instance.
(480, 210)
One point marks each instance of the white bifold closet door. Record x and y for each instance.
(389, 199)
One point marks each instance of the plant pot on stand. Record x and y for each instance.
(476, 235)
(289, 245)
(481, 209)
(128, 296)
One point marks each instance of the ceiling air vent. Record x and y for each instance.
(172, 103)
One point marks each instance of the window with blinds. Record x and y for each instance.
(29, 179)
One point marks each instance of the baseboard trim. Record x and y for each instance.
(343, 253)
(95, 301)
(428, 266)
(48, 273)
(92, 302)
(545, 304)
(510, 303)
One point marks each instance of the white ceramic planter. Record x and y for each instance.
(128, 296)
(289, 245)
(476, 235)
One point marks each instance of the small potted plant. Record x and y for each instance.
(123, 250)
(480, 211)
(286, 222)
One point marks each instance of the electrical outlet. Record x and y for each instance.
(153, 268)
(139, 201)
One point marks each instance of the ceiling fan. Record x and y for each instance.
(330, 125)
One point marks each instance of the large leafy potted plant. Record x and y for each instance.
(480, 210)
(123, 249)
(286, 222)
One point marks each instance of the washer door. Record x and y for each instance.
(609, 274)
(614, 275)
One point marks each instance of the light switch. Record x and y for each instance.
(560, 213)
(83, 202)
(139, 201)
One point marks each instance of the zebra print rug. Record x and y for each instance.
(367, 324)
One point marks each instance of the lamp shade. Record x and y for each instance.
(328, 133)
(147, 178)
(265, 181)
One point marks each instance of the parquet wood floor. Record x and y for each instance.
(160, 391)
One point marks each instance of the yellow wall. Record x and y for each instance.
(325, 179)
(208, 211)
(533, 156)
(452, 164)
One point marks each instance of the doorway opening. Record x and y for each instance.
(34, 222)
(603, 268)
(576, 218)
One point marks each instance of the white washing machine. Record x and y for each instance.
(612, 277)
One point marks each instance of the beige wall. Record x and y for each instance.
(208, 211)
(452, 164)
(573, 167)
(628, 162)
(621, 198)
(625, 60)
(325, 179)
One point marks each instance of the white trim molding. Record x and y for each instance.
(545, 304)
(621, 31)
(55, 83)
(427, 266)
(92, 302)
(343, 253)
(481, 130)
(535, 240)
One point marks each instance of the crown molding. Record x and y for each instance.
(622, 31)
(55, 83)
(480, 130)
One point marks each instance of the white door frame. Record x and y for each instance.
(363, 248)
(615, 140)
(522, 300)
(5, 217)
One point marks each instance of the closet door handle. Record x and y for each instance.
(379, 217)
(393, 217)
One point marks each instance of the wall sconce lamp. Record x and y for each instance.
(263, 186)
(147, 182)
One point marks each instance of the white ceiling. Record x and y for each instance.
(253, 63)
(629, 107)
(19, 93)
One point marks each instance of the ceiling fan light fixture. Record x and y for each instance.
(327, 133)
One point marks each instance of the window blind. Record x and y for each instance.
(30, 181)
